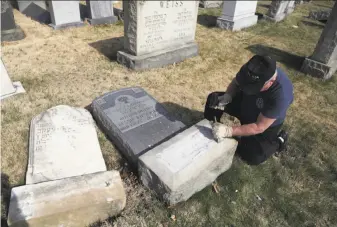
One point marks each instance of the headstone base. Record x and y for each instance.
(187, 163)
(64, 26)
(18, 89)
(12, 34)
(74, 201)
(236, 25)
(159, 58)
(211, 4)
(318, 69)
(104, 20)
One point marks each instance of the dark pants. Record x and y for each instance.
(252, 149)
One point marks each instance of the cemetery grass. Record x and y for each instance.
(74, 66)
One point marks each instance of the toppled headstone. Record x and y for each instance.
(65, 14)
(237, 15)
(320, 15)
(134, 121)
(7, 87)
(211, 4)
(76, 201)
(9, 30)
(279, 10)
(100, 12)
(158, 33)
(63, 143)
(185, 164)
(37, 10)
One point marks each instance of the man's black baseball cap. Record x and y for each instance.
(255, 73)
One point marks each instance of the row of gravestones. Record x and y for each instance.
(67, 183)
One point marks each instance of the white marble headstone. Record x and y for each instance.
(64, 12)
(63, 143)
(6, 83)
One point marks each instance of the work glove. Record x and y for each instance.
(221, 131)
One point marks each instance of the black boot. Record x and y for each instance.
(283, 140)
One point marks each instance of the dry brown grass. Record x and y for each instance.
(63, 67)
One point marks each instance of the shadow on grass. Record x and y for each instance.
(109, 47)
(312, 24)
(291, 60)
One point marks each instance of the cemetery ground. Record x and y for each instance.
(74, 66)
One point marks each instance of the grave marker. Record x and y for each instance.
(237, 15)
(65, 14)
(134, 121)
(100, 12)
(158, 33)
(7, 87)
(211, 4)
(63, 143)
(37, 10)
(9, 30)
(280, 9)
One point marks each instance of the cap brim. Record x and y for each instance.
(248, 88)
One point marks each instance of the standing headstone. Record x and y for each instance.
(9, 30)
(100, 12)
(63, 143)
(237, 15)
(186, 163)
(280, 9)
(211, 4)
(320, 15)
(134, 121)
(7, 87)
(158, 33)
(37, 10)
(323, 62)
(65, 14)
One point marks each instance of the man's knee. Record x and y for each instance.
(253, 152)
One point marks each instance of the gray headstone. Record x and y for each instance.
(211, 4)
(185, 164)
(37, 10)
(9, 30)
(134, 121)
(65, 14)
(63, 143)
(158, 33)
(101, 12)
(323, 62)
(280, 9)
(320, 15)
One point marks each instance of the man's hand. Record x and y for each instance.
(221, 131)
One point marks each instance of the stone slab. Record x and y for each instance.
(238, 24)
(71, 202)
(37, 10)
(64, 13)
(159, 58)
(104, 20)
(187, 163)
(320, 15)
(63, 143)
(279, 10)
(236, 10)
(18, 90)
(12, 35)
(7, 16)
(134, 121)
(151, 26)
(7, 87)
(211, 4)
(99, 9)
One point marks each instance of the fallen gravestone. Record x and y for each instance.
(63, 143)
(65, 14)
(7, 87)
(73, 202)
(320, 15)
(37, 10)
(279, 10)
(185, 164)
(158, 33)
(237, 15)
(134, 121)
(9, 30)
(100, 12)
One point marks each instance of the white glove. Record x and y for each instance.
(221, 131)
(223, 101)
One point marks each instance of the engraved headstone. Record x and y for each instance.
(63, 143)
(100, 12)
(134, 121)
(280, 9)
(9, 30)
(237, 15)
(323, 62)
(7, 87)
(65, 14)
(37, 10)
(211, 4)
(158, 33)
(186, 163)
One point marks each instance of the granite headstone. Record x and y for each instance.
(211, 4)
(9, 30)
(279, 10)
(158, 33)
(134, 121)
(63, 143)
(100, 12)
(37, 10)
(65, 14)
